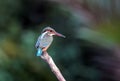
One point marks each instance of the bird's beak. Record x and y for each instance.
(60, 35)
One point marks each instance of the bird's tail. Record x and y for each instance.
(39, 52)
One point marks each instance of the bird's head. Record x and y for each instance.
(50, 31)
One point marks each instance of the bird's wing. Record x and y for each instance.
(37, 43)
(42, 42)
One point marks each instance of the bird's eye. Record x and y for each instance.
(50, 30)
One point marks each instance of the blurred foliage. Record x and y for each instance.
(78, 56)
(111, 29)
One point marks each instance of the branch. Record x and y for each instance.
(46, 57)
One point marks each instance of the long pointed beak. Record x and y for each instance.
(60, 35)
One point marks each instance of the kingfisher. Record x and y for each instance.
(45, 39)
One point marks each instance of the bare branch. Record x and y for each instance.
(46, 57)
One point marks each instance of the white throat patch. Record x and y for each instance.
(51, 34)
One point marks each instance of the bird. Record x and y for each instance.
(45, 39)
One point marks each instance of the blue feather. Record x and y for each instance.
(39, 52)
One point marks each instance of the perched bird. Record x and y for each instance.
(45, 39)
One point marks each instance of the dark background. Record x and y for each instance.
(90, 51)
